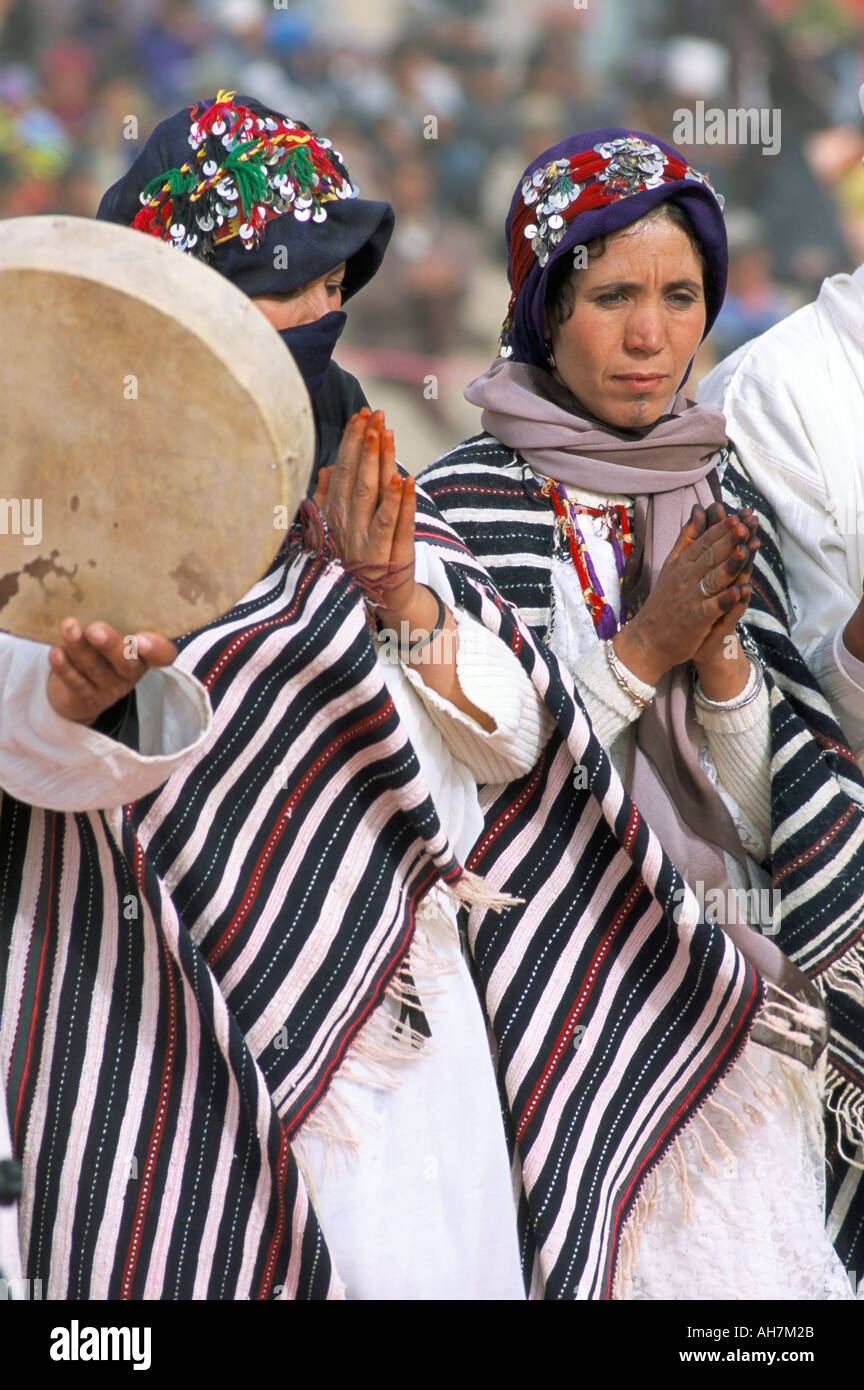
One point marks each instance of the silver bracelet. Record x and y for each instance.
(409, 650)
(702, 699)
(620, 673)
(434, 631)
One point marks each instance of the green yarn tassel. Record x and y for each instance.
(178, 183)
(298, 164)
(248, 175)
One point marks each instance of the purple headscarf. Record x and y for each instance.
(589, 186)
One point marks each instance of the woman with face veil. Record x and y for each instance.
(299, 249)
(609, 508)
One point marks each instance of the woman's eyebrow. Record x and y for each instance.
(685, 284)
(635, 285)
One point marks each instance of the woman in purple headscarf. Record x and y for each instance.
(608, 507)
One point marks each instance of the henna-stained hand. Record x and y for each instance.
(704, 581)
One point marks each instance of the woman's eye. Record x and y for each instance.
(611, 297)
(682, 297)
(335, 286)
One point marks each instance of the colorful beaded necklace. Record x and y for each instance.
(617, 532)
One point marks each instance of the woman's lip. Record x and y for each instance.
(641, 381)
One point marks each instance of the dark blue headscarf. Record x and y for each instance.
(288, 253)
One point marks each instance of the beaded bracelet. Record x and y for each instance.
(620, 674)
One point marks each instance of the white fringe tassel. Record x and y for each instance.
(706, 1139)
(845, 1102)
(846, 975)
(384, 1042)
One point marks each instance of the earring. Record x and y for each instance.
(550, 356)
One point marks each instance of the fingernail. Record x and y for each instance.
(144, 644)
(371, 436)
(396, 483)
(72, 630)
(98, 634)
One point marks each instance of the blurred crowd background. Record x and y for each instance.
(437, 105)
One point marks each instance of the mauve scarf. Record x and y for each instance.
(666, 471)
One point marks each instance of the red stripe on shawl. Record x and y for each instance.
(816, 848)
(164, 1089)
(270, 1263)
(39, 977)
(238, 643)
(854, 1076)
(659, 1149)
(828, 961)
(507, 815)
(584, 990)
(361, 727)
(435, 537)
(374, 1001)
(433, 491)
(831, 745)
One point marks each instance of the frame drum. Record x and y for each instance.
(157, 437)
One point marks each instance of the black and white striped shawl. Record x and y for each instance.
(491, 498)
(180, 980)
(183, 980)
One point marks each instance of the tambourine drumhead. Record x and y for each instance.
(155, 435)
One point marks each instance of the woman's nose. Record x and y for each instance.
(645, 329)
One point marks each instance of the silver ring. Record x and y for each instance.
(702, 587)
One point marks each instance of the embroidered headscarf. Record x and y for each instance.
(589, 186)
(583, 188)
(262, 199)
